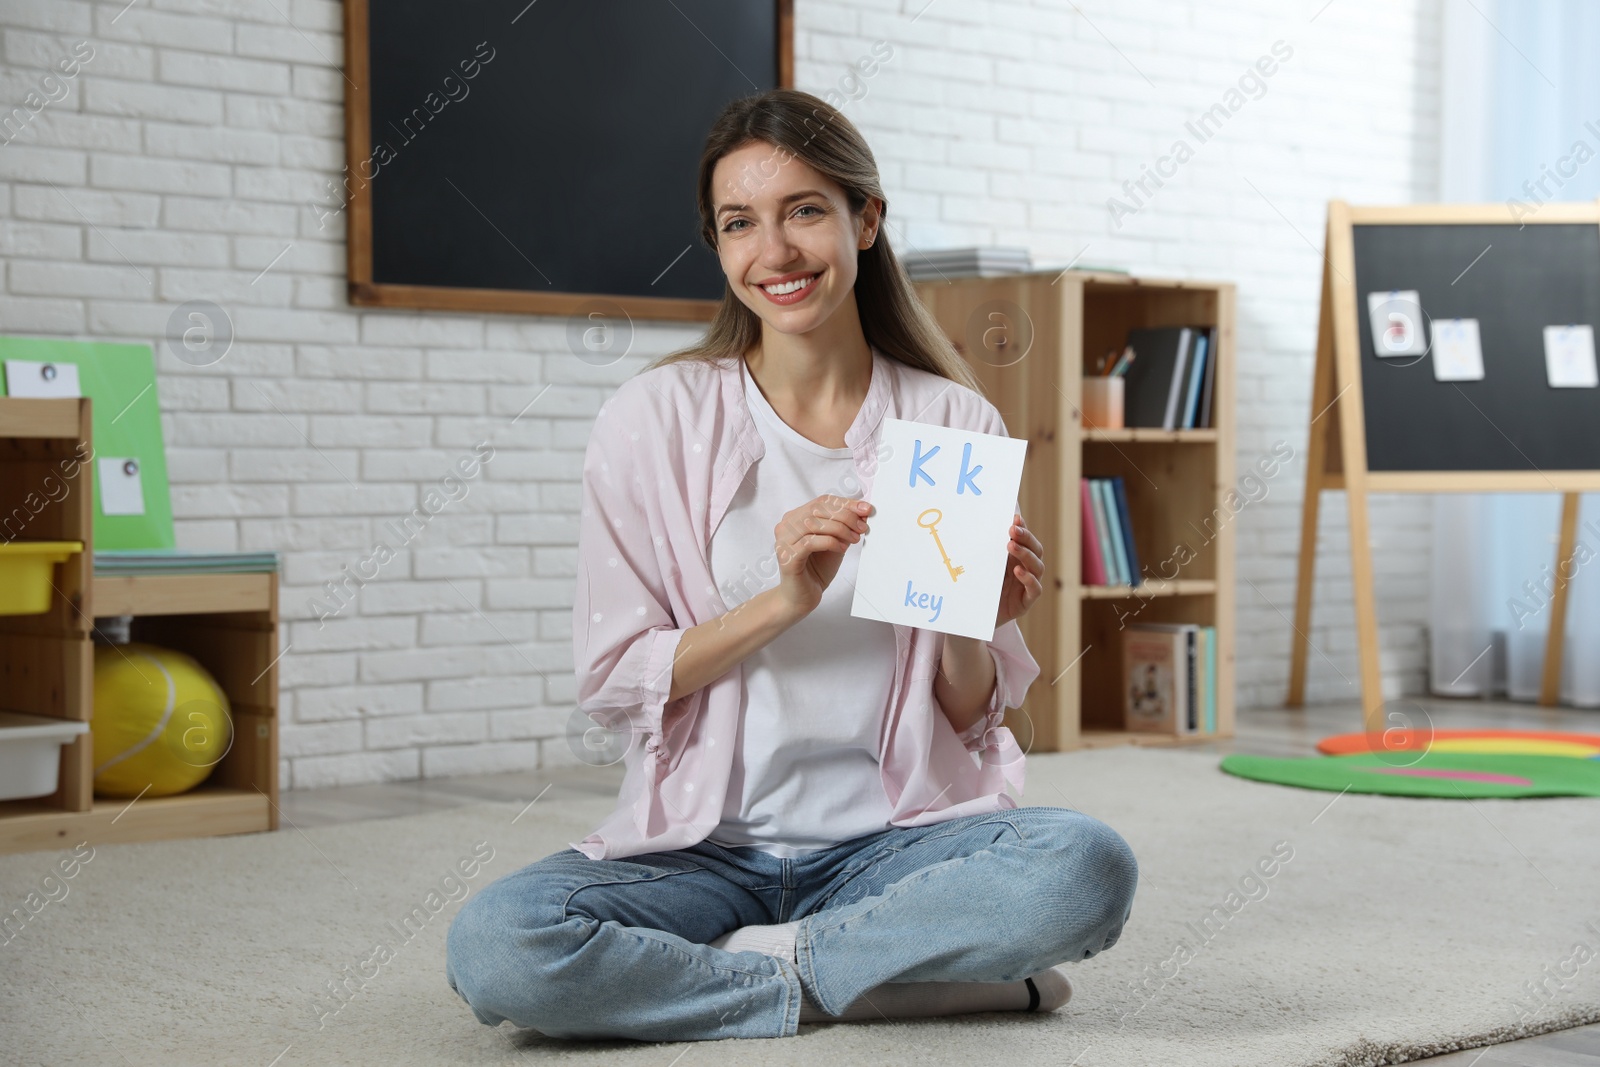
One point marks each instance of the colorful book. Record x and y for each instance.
(1094, 565)
(1197, 366)
(178, 561)
(1192, 653)
(1211, 679)
(1114, 539)
(1154, 673)
(1120, 492)
(1169, 420)
(1119, 543)
(1103, 533)
(1203, 421)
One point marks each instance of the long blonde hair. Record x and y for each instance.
(806, 128)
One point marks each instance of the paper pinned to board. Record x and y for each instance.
(39, 380)
(935, 554)
(1397, 323)
(1569, 357)
(1457, 351)
(121, 487)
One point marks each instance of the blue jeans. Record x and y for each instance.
(617, 948)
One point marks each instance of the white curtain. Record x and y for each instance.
(1519, 89)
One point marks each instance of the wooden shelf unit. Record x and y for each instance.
(47, 660)
(229, 623)
(1029, 338)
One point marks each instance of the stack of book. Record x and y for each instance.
(966, 263)
(177, 561)
(1169, 671)
(1171, 376)
(1109, 557)
(1078, 266)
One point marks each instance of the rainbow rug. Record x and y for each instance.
(1439, 763)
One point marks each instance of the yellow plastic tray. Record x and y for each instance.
(25, 571)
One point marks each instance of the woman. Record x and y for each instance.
(804, 835)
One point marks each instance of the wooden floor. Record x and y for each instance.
(1265, 732)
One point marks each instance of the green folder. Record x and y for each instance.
(121, 382)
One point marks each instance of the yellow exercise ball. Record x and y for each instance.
(160, 721)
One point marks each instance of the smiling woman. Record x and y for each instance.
(806, 821)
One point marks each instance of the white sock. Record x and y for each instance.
(908, 1000)
(903, 1000)
(772, 940)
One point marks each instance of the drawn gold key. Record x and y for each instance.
(933, 528)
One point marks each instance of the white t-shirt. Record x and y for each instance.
(805, 773)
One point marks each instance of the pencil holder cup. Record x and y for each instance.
(1102, 402)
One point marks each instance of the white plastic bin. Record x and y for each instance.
(1581, 676)
(30, 753)
(1525, 664)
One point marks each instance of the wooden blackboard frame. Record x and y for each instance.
(1336, 453)
(364, 292)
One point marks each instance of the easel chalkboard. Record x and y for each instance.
(1385, 424)
(513, 156)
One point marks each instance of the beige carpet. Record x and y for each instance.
(1398, 928)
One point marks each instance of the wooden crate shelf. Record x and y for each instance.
(1176, 482)
(229, 623)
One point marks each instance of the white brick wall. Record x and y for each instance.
(180, 164)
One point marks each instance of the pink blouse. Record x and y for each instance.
(666, 453)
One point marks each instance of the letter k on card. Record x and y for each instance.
(936, 555)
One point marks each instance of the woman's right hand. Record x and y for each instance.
(811, 542)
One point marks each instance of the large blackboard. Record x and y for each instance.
(546, 147)
(1515, 281)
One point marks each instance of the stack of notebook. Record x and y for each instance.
(177, 561)
(1171, 377)
(1108, 553)
(966, 263)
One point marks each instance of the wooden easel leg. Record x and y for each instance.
(1366, 610)
(1556, 638)
(1323, 400)
(1300, 640)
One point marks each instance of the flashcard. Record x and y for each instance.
(1457, 352)
(30, 378)
(1569, 357)
(1396, 323)
(121, 492)
(935, 554)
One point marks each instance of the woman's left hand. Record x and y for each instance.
(1023, 584)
